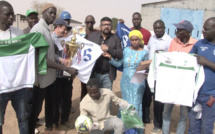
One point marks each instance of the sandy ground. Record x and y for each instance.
(11, 127)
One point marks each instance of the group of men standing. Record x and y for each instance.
(49, 85)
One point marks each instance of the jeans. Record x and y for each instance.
(205, 125)
(167, 118)
(38, 96)
(104, 80)
(19, 102)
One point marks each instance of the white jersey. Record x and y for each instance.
(178, 77)
(85, 58)
(17, 61)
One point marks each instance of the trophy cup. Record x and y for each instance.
(72, 47)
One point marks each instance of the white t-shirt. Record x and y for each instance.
(85, 58)
(158, 44)
(10, 33)
(178, 77)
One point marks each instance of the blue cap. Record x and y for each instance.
(185, 24)
(65, 15)
(61, 22)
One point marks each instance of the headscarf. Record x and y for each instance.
(138, 34)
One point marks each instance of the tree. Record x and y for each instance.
(114, 23)
(36, 5)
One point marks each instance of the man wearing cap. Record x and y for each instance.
(182, 43)
(44, 85)
(63, 83)
(67, 17)
(32, 19)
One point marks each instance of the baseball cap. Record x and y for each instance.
(185, 24)
(62, 22)
(30, 11)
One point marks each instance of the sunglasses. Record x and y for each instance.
(106, 25)
(89, 22)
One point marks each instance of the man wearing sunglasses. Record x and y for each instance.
(89, 22)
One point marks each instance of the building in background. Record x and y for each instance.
(21, 23)
(174, 11)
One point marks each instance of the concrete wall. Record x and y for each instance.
(151, 12)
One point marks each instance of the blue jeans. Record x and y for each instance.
(19, 102)
(167, 118)
(205, 125)
(104, 80)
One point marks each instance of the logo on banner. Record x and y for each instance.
(78, 58)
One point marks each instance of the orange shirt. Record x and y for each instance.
(177, 45)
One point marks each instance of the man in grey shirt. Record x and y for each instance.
(44, 87)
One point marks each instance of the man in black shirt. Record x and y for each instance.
(110, 43)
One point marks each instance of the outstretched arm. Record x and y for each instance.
(205, 62)
(54, 65)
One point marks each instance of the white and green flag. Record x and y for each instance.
(17, 61)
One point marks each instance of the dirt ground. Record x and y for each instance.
(11, 127)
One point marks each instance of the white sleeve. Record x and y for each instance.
(151, 74)
(200, 78)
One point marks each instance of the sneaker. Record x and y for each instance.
(155, 130)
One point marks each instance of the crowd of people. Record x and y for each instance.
(96, 95)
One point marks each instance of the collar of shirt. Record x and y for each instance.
(190, 42)
(54, 35)
(164, 37)
(106, 37)
(89, 99)
(43, 22)
(207, 42)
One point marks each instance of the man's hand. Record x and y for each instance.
(121, 20)
(157, 51)
(71, 71)
(107, 55)
(104, 47)
(65, 62)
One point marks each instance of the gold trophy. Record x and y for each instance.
(72, 47)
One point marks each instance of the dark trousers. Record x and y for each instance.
(147, 99)
(158, 112)
(39, 94)
(83, 90)
(63, 99)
